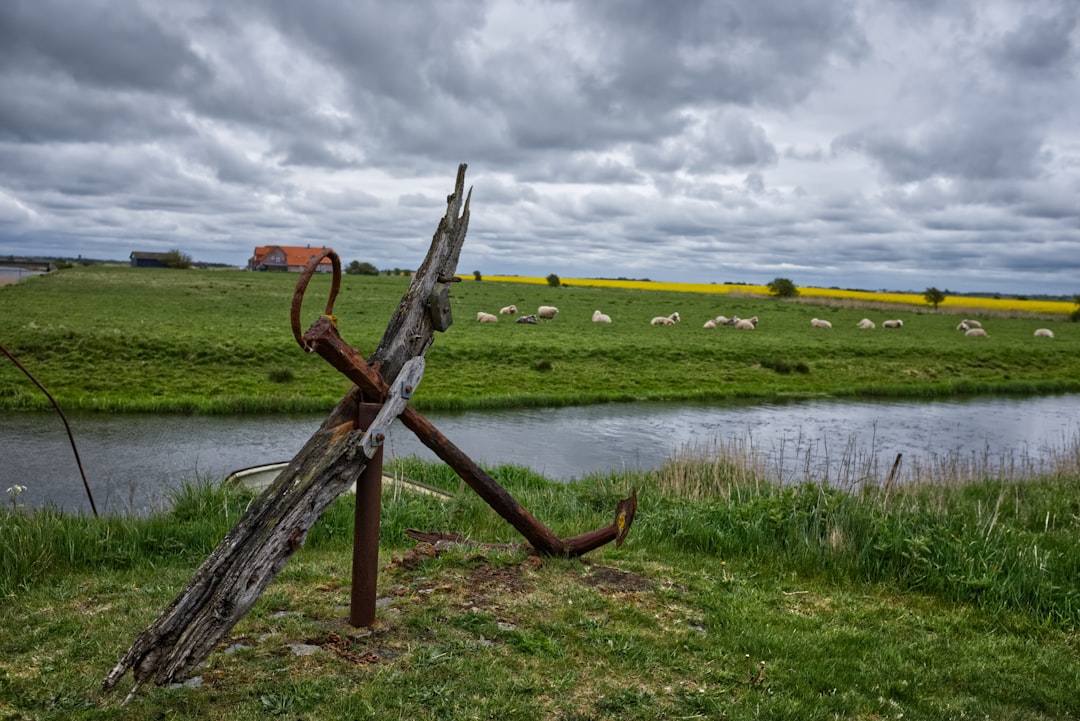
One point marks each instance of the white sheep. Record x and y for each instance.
(892, 324)
(818, 323)
(598, 317)
(508, 310)
(668, 320)
(745, 324)
(483, 317)
(967, 324)
(1044, 333)
(724, 320)
(975, 332)
(866, 324)
(753, 319)
(546, 311)
(709, 324)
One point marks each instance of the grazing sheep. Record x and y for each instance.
(546, 311)
(967, 324)
(866, 324)
(529, 319)
(975, 332)
(598, 317)
(818, 323)
(709, 324)
(1044, 333)
(745, 324)
(892, 324)
(669, 320)
(508, 310)
(483, 317)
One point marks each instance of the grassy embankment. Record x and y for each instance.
(929, 602)
(123, 339)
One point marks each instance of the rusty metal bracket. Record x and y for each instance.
(322, 337)
(301, 288)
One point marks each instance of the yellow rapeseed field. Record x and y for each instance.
(955, 302)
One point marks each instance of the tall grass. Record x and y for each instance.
(997, 533)
(973, 530)
(35, 545)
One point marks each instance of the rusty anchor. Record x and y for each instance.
(323, 338)
(345, 448)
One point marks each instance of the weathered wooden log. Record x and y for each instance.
(231, 579)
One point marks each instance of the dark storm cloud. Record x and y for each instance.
(903, 144)
(97, 43)
(1040, 43)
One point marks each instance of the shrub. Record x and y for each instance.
(783, 288)
(358, 268)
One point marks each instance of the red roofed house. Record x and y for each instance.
(287, 257)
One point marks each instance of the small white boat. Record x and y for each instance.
(259, 478)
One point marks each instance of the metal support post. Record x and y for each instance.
(365, 560)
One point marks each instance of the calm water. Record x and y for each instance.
(133, 461)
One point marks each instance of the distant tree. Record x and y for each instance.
(476, 275)
(358, 268)
(175, 259)
(553, 280)
(1075, 315)
(783, 288)
(934, 297)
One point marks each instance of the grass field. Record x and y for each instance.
(118, 338)
(931, 602)
(734, 596)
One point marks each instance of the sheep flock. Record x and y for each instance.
(970, 327)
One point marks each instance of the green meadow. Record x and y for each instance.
(734, 596)
(216, 341)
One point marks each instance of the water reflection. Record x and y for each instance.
(132, 461)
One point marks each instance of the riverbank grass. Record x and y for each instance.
(733, 595)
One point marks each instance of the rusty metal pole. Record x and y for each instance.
(365, 560)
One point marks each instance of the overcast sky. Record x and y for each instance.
(874, 144)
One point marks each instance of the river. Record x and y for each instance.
(132, 462)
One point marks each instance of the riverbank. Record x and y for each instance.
(937, 601)
(121, 339)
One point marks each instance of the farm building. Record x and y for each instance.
(288, 258)
(148, 260)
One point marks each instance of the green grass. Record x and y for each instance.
(125, 339)
(956, 596)
(937, 600)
